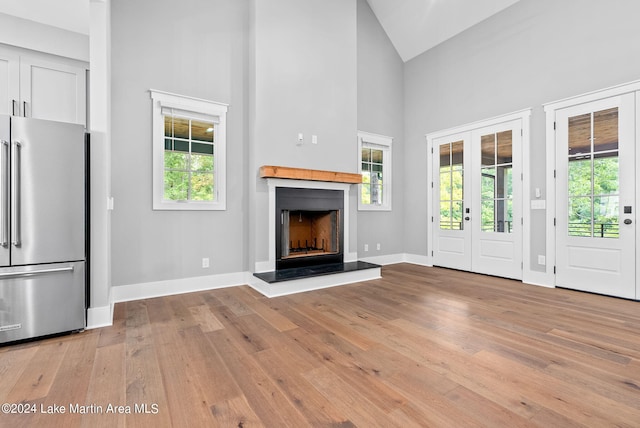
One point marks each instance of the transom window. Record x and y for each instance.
(189, 153)
(375, 167)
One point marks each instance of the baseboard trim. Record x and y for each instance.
(101, 316)
(392, 259)
(148, 290)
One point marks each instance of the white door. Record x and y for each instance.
(595, 196)
(477, 200)
(497, 200)
(451, 202)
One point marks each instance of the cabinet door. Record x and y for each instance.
(9, 75)
(52, 91)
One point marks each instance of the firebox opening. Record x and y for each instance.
(309, 233)
(309, 227)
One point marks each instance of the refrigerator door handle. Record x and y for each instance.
(35, 272)
(16, 196)
(4, 196)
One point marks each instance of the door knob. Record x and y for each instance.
(628, 221)
(467, 218)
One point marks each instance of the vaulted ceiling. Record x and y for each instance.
(413, 26)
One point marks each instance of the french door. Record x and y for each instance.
(595, 196)
(477, 200)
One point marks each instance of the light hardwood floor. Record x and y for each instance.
(420, 347)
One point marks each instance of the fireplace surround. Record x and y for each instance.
(309, 227)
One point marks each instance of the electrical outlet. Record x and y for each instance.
(378, 246)
(366, 247)
(205, 262)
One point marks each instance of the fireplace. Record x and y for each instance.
(309, 227)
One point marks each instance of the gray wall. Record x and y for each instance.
(303, 80)
(196, 48)
(381, 111)
(534, 52)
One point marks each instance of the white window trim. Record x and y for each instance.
(367, 139)
(196, 105)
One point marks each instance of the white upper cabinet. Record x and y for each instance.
(42, 88)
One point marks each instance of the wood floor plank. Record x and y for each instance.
(420, 346)
(205, 318)
(106, 387)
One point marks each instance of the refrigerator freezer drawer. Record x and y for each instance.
(41, 300)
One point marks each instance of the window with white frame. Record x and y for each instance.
(189, 146)
(374, 153)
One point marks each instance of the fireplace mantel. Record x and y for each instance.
(269, 171)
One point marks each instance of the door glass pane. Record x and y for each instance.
(451, 186)
(505, 151)
(605, 130)
(606, 174)
(593, 175)
(580, 217)
(579, 173)
(605, 211)
(488, 215)
(456, 154)
(488, 147)
(488, 183)
(496, 181)
(456, 215)
(580, 134)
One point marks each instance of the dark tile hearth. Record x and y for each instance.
(312, 271)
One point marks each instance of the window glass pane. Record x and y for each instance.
(168, 126)
(488, 147)
(505, 154)
(488, 215)
(366, 155)
(377, 168)
(202, 148)
(168, 144)
(605, 130)
(366, 192)
(202, 131)
(580, 216)
(182, 146)
(181, 128)
(175, 160)
(376, 156)
(376, 194)
(606, 174)
(606, 217)
(202, 187)
(580, 134)
(201, 163)
(176, 185)
(579, 183)
(457, 154)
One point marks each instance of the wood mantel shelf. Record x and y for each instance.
(269, 171)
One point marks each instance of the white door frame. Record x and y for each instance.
(550, 110)
(524, 116)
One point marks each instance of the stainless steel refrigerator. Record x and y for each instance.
(42, 228)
